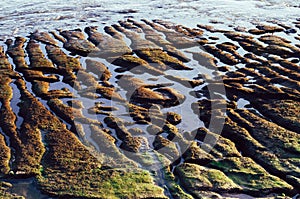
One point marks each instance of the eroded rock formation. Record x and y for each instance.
(90, 116)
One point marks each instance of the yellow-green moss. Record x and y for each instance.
(110, 184)
(246, 173)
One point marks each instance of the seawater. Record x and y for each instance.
(19, 17)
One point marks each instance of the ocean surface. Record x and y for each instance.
(20, 17)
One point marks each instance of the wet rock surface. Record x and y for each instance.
(91, 113)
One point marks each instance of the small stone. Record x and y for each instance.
(173, 118)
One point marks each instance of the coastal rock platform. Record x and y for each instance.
(102, 112)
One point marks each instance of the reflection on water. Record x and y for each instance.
(26, 188)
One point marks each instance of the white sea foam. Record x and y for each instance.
(20, 17)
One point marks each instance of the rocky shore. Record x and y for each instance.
(242, 85)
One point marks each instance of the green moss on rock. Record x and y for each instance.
(107, 184)
(249, 175)
(195, 178)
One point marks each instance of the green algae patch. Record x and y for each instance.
(278, 152)
(252, 177)
(97, 183)
(195, 178)
(174, 188)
